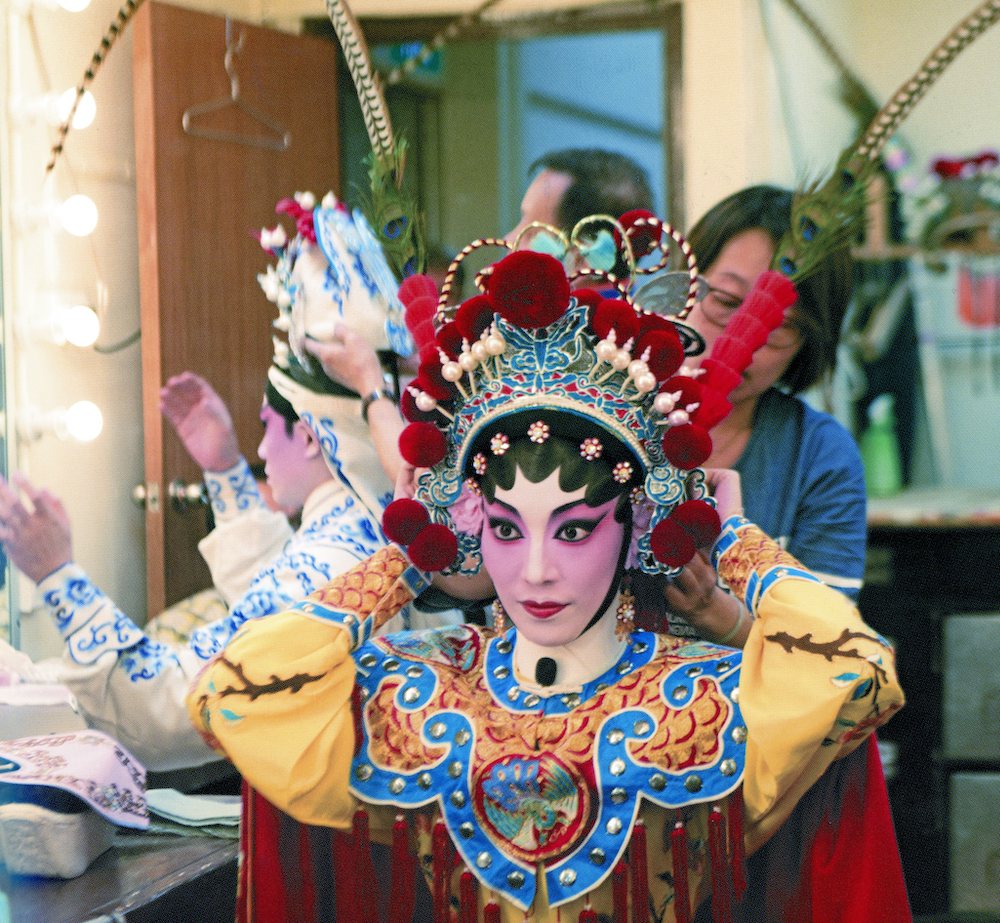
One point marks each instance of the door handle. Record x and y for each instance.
(147, 496)
(185, 496)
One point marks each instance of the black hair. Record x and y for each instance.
(281, 406)
(823, 296)
(604, 182)
(560, 451)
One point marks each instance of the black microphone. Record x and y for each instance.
(545, 671)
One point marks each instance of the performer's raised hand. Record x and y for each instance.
(201, 420)
(37, 534)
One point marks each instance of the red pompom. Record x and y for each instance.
(590, 297)
(423, 336)
(670, 544)
(419, 310)
(642, 238)
(434, 548)
(529, 289)
(700, 520)
(719, 376)
(712, 408)
(689, 388)
(432, 381)
(422, 445)
(474, 316)
(450, 340)
(686, 446)
(413, 414)
(665, 352)
(732, 352)
(617, 314)
(418, 286)
(403, 519)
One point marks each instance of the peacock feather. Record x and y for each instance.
(111, 34)
(827, 216)
(392, 214)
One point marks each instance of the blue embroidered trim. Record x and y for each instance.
(759, 584)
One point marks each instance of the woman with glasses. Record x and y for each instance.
(801, 471)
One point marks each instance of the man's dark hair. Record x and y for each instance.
(281, 406)
(604, 183)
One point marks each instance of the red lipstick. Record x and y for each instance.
(542, 610)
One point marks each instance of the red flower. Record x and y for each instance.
(422, 445)
(613, 313)
(700, 520)
(686, 446)
(403, 519)
(434, 548)
(529, 289)
(670, 544)
(665, 352)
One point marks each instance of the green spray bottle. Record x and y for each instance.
(880, 449)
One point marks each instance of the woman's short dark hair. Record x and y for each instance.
(823, 296)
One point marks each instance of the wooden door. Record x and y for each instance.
(200, 200)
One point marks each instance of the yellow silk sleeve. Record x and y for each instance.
(815, 680)
(277, 700)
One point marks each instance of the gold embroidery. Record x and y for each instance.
(755, 552)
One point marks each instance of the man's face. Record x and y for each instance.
(289, 460)
(541, 200)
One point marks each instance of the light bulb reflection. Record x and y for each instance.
(78, 215)
(74, 6)
(84, 421)
(85, 112)
(80, 325)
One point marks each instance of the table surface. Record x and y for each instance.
(936, 507)
(137, 870)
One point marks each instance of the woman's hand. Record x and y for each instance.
(724, 485)
(348, 359)
(37, 540)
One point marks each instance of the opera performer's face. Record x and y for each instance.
(552, 557)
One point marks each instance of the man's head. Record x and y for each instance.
(293, 459)
(572, 184)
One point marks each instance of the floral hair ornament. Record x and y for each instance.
(331, 271)
(530, 350)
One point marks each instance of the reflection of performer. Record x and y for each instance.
(566, 766)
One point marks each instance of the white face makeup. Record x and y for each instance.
(552, 557)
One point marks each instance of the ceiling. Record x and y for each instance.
(413, 20)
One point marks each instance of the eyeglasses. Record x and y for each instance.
(719, 306)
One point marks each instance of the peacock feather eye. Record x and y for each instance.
(808, 228)
(396, 227)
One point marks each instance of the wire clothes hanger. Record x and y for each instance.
(276, 138)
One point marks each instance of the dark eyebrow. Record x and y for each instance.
(555, 512)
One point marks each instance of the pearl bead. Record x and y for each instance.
(678, 418)
(451, 371)
(467, 361)
(606, 350)
(479, 351)
(636, 368)
(425, 402)
(495, 344)
(645, 382)
(621, 360)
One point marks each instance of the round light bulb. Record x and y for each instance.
(74, 6)
(78, 215)
(81, 325)
(85, 112)
(84, 421)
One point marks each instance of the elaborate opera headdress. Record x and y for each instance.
(531, 357)
(331, 271)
